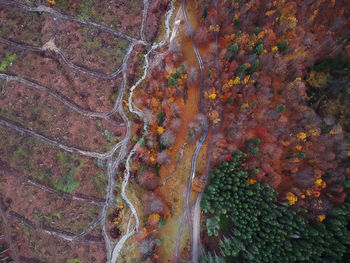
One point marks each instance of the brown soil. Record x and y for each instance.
(47, 193)
(30, 244)
(125, 16)
(47, 69)
(95, 49)
(24, 27)
(43, 114)
(42, 208)
(47, 164)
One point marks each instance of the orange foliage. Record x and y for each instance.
(198, 184)
(320, 218)
(160, 129)
(153, 219)
(226, 96)
(292, 198)
(251, 181)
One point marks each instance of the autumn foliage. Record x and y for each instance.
(257, 57)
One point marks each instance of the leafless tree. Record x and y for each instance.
(147, 247)
(163, 157)
(202, 36)
(167, 139)
(192, 75)
(175, 124)
(175, 49)
(150, 141)
(153, 203)
(304, 178)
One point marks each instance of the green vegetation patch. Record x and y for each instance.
(94, 44)
(70, 167)
(280, 108)
(258, 47)
(205, 12)
(63, 4)
(48, 219)
(231, 52)
(282, 45)
(173, 80)
(26, 228)
(256, 31)
(249, 225)
(66, 184)
(254, 66)
(85, 9)
(100, 182)
(7, 61)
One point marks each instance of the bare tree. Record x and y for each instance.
(175, 49)
(148, 114)
(150, 141)
(163, 157)
(304, 178)
(153, 203)
(167, 139)
(175, 124)
(147, 247)
(192, 75)
(202, 36)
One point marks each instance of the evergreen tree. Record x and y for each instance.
(260, 229)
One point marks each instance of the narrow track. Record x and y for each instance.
(40, 137)
(195, 49)
(135, 110)
(50, 46)
(144, 18)
(54, 13)
(113, 249)
(190, 217)
(57, 96)
(38, 184)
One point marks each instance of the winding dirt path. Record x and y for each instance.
(38, 184)
(197, 209)
(51, 46)
(195, 49)
(58, 97)
(191, 215)
(40, 137)
(135, 110)
(113, 249)
(54, 13)
(112, 163)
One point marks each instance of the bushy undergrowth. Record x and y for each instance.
(253, 227)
